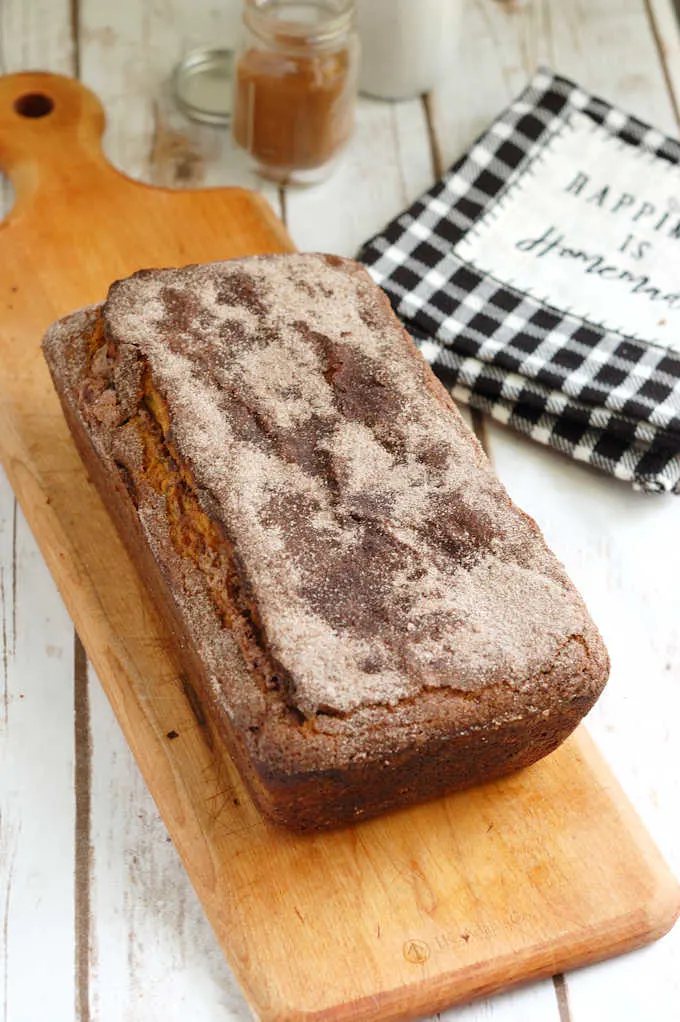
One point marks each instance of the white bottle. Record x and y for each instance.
(406, 45)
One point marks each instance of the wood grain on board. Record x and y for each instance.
(401, 915)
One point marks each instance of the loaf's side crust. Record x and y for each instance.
(302, 775)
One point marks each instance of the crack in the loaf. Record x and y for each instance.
(196, 707)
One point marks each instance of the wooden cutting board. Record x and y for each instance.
(390, 919)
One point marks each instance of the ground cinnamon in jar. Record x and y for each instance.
(295, 86)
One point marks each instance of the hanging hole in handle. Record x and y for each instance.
(34, 104)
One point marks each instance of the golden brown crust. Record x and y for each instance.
(318, 769)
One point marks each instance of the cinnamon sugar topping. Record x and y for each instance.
(381, 553)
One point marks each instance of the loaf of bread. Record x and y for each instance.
(368, 618)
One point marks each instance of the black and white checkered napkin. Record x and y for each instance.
(566, 328)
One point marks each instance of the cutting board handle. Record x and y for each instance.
(48, 123)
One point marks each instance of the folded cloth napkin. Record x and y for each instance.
(540, 278)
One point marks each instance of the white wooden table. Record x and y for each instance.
(97, 918)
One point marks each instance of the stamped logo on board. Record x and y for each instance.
(416, 951)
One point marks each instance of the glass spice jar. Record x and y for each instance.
(295, 84)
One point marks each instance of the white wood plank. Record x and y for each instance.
(36, 35)
(36, 710)
(386, 165)
(533, 1003)
(127, 55)
(643, 985)
(606, 45)
(36, 780)
(154, 957)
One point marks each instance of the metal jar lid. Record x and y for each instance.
(202, 85)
